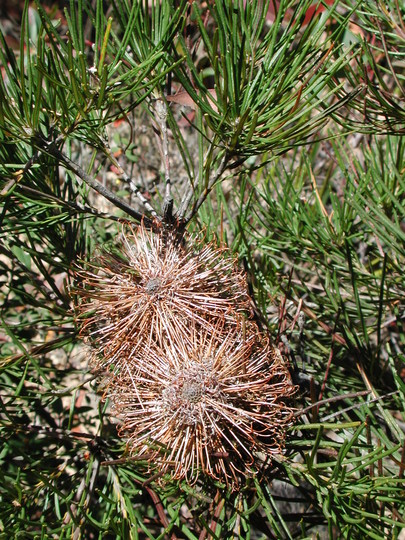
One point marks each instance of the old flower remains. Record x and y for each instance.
(197, 385)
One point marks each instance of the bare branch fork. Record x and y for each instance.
(53, 150)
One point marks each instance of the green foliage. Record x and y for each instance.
(379, 67)
(278, 133)
(268, 84)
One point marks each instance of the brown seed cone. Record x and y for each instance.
(209, 408)
(153, 290)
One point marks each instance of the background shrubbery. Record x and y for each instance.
(274, 127)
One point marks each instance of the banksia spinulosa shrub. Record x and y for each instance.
(197, 386)
(216, 406)
(156, 285)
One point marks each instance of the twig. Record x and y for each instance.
(331, 400)
(54, 151)
(387, 56)
(17, 175)
(357, 405)
(159, 509)
(161, 118)
(215, 517)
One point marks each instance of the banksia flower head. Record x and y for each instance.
(155, 287)
(214, 407)
(199, 389)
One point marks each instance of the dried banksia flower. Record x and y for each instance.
(153, 286)
(198, 387)
(216, 407)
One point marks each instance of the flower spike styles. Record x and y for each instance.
(212, 408)
(198, 388)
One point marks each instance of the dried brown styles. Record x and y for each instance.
(197, 386)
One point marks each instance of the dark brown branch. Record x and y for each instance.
(53, 151)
